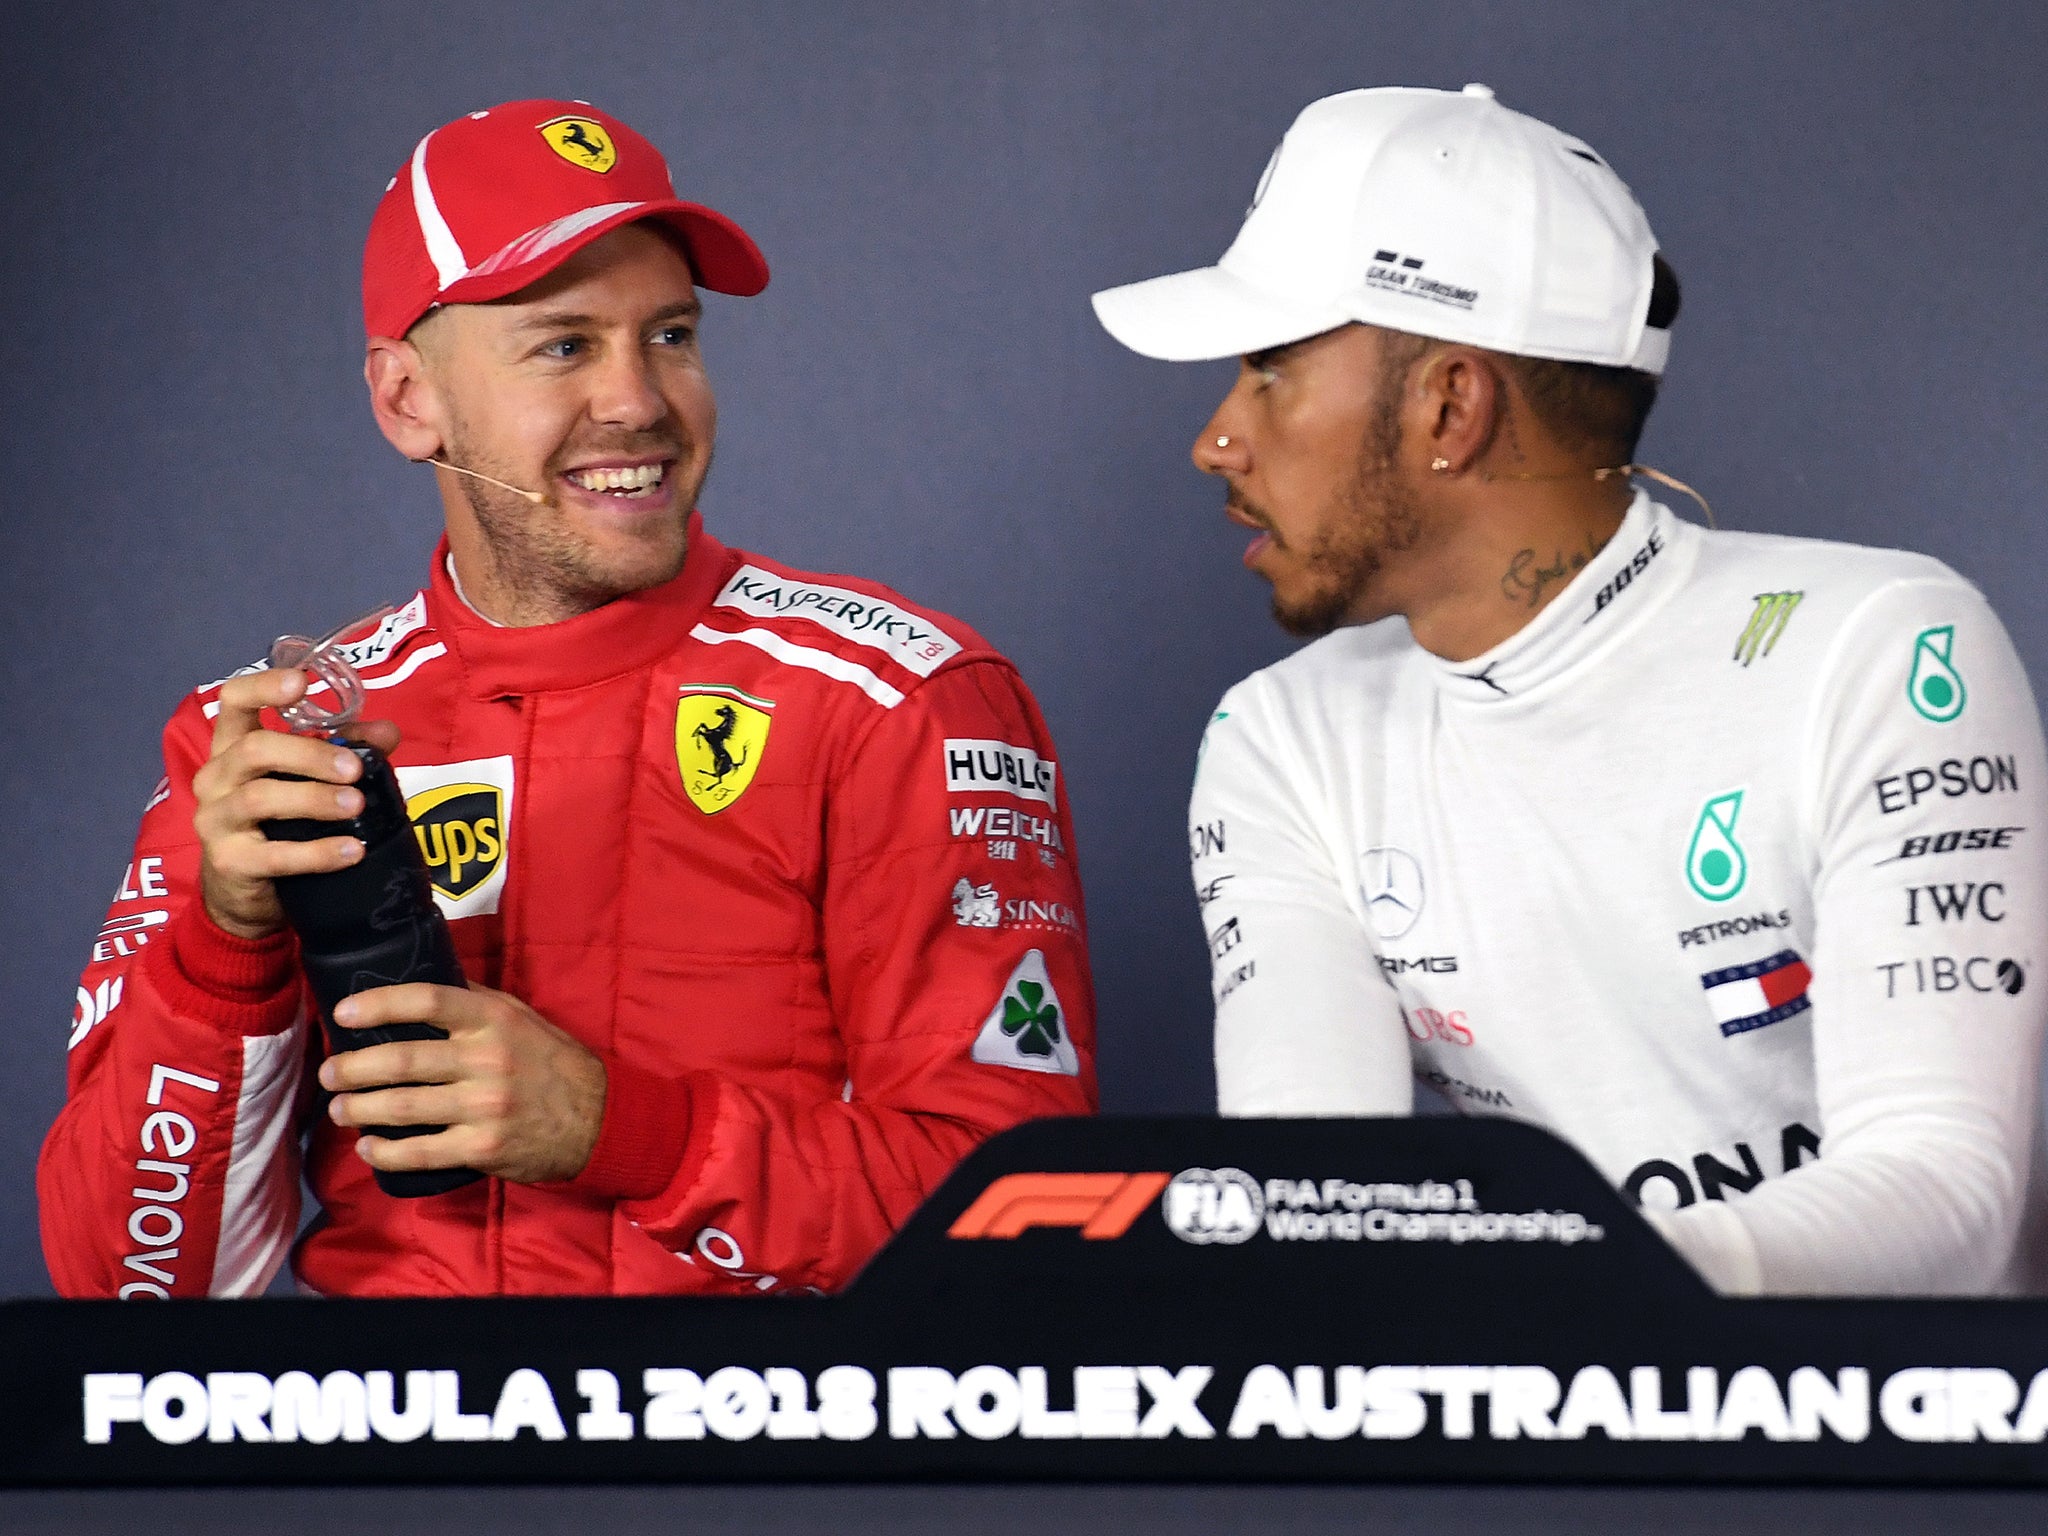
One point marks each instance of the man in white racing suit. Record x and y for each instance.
(1715, 853)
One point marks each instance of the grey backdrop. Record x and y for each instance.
(1852, 192)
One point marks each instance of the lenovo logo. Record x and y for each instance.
(1102, 1205)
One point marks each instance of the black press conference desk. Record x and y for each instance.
(1124, 1301)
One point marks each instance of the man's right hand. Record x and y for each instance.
(237, 789)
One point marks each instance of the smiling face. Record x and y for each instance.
(1312, 453)
(587, 386)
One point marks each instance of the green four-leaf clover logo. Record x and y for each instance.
(1031, 1021)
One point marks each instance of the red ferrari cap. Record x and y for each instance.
(500, 198)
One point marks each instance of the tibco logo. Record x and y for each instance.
(1213, 1205)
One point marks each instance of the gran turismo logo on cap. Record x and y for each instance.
(1936, 687)
(582, 142)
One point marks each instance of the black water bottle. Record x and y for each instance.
(373, 924)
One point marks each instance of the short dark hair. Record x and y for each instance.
(1592, 405)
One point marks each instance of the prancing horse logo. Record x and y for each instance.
(1391, 882)
(715, 737)
(720, 733)
(582, 142)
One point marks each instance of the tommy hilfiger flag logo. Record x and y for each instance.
(1746, 997)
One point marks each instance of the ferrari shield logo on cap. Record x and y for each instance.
(720, 734)
(582, 142)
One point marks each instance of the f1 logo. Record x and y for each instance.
(1102, 1205)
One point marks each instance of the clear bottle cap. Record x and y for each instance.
(331, 671)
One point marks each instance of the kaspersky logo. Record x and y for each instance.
(1101, 1205)
(1715, 865)
(1936, 688)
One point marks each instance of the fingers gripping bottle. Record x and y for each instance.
(374, 923)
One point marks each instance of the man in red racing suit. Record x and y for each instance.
(773, 870)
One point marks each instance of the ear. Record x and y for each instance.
(1460, 403)
(403, 398)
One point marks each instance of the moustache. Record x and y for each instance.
(1247, 510)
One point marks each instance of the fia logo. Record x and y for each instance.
(1213, 1205)
(1936, 688)
(1715, 865)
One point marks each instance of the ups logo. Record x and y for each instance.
(460, 828)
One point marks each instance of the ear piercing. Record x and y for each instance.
(1439, 463)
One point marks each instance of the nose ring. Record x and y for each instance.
(1223, 442)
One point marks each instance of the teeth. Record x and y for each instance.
(630, 481)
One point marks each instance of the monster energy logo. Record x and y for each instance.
(1936, 687)
(1773, 613)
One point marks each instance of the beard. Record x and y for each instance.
(541, 561)
(1374, 516)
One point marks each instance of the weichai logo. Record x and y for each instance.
(1102, 1205)
(461, 833)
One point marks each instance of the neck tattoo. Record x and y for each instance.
(1529, 579)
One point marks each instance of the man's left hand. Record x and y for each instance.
(521, 1099)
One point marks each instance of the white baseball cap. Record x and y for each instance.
(1434, 212)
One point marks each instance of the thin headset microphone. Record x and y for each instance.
(536, 497)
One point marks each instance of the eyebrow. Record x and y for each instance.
(569, 320)
(1267, 355)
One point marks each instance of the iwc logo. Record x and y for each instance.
(582, 142)
(1213, 1205)
(1391, 883)
(720, 733)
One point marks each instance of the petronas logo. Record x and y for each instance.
(1936, 687)
(1715, 865)
(1766, 624)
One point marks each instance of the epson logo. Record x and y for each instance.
(999, 766)
(1952, 776)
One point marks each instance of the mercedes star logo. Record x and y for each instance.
(1392, 884)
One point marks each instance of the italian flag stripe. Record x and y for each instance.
(726, 691)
